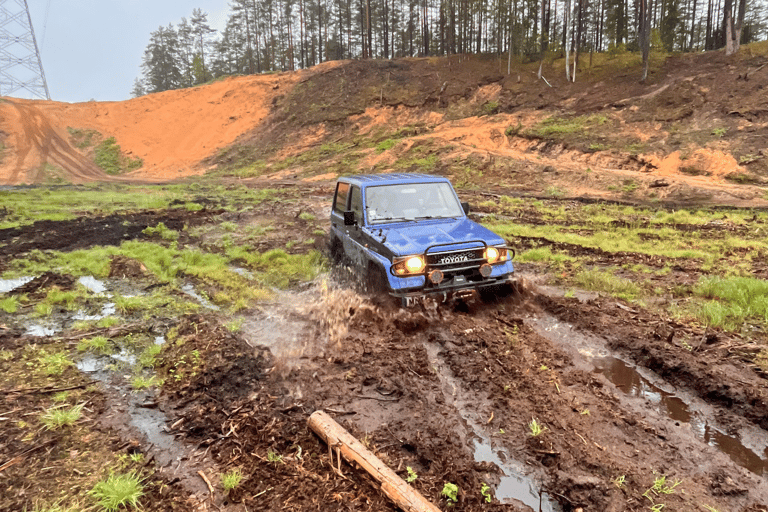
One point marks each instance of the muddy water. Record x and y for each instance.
(514, 486)
(748, 449)
(148, 421)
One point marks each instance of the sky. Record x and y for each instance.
(92, 49)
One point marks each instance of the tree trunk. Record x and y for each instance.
(733, 26)
(567, 37)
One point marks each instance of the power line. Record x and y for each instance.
(20, 65)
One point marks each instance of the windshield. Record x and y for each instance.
(414, 201)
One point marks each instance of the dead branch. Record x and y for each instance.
(346, 445)
(207, 482)
(43, 390)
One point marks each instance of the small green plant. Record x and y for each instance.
(451, 493)
(719, 132)
(536, 429)
(619, 481)
(512, 131)
(162, 231)
(554, 192)
(107, 322)
(97, 344)
(108, 156)
(54, 364)
(9, 304)
(490, 107)
(385, 145)
(486, 492)
(137, 457)
(231, 479)
(412, 476)
(274, 457)
(123, 490)
(58, 416)
(235, 324)
(148, 358)
(629, 187)
(306, 216)
(141, 382)
(660, 486)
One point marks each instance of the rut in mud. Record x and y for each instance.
(450, 393)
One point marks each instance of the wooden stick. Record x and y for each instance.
(207, 482)
(394, 487)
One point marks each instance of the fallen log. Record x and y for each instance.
(394, 487)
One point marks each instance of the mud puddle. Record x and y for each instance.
(139, 406)
(748, 447)
(514, 486)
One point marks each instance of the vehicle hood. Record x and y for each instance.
(415, 237)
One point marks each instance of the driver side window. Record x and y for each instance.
(356, 204)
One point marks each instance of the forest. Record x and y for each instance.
(285, 35)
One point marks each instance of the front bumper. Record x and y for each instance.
(458, 287)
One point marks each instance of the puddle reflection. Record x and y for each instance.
(748, 449)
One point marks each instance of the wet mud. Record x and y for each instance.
(623, 396)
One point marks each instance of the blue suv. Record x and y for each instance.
(410, 237)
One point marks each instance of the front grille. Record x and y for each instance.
(448, 261)
(453, 258)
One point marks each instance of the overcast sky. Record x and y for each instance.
(92, 49)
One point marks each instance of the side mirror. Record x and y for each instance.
(465, 206)
(349, 218)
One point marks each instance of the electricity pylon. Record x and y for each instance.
(20, 65)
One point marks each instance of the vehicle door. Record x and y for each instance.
(340, 205)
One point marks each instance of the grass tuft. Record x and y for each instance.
(58, 416)
(118, 491)
(231, 479)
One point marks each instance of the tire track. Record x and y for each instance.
(40, 138)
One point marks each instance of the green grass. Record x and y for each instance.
(27, 205)
(278, 268)
(385, 145)
(544, 254)
(98, 344)
(9, 304)
(109, 157)
(161, 231)
(607, 282)
(140, 382)
(53, 364)
(732, 301)
(148, 358)
(556, 126)
(57, 417)
(118, 491)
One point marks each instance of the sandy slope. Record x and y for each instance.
(171, 131)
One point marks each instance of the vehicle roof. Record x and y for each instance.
(366, 180)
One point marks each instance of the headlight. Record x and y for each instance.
(409, 265)
(496, 254)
